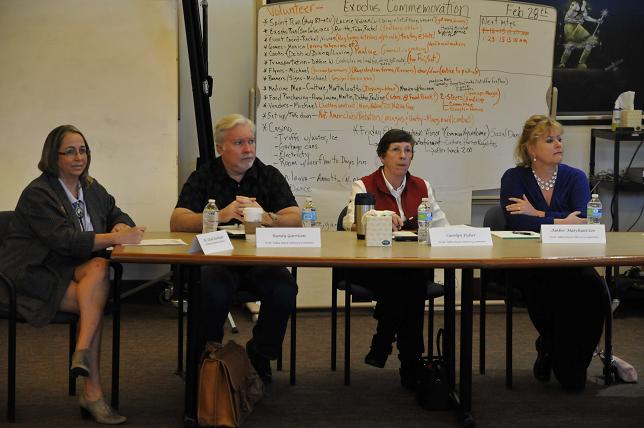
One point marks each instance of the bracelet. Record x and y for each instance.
(273, 217)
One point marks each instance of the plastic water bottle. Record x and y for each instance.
(309, 214)
(616, 120)
(210, 217)
(594, 210)
(424, 221)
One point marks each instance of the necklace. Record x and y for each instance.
(546, 184)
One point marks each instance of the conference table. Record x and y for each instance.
(342, 249)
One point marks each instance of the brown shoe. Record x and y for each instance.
(80, 363)
(100, 411)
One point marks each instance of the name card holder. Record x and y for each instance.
(210, 243)
(460, 236)
(573, 234)
(288, 237)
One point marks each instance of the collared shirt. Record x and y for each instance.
(78, 204)
(211, 181)
(439, 218)
(396, 193)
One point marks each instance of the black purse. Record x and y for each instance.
(432, 392)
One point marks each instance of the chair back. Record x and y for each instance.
(5, 219)
(343, 213)
(494, 218)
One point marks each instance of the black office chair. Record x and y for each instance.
(180, 280)
(358, 293)
(60, 318)
(497, 280)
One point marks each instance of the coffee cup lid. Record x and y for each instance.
(365, 199)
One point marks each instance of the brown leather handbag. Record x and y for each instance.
(229, 386)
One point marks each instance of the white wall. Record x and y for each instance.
(110, 68)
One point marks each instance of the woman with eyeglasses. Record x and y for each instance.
(565, 304)
(52, 253)
(399, 309)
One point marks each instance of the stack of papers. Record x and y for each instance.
(516, 234)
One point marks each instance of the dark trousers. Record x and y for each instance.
(275, 287)
(566, 306)
(400, 309)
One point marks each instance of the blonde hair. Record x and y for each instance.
(229, 122)
(532, 129)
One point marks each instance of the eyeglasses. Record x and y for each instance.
(398, 150)
(72, 152)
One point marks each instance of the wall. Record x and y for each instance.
(111, 70)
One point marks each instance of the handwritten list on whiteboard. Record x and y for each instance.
(461, 76)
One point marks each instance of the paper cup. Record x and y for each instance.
(252, 220)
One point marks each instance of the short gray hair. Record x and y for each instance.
(229, 122)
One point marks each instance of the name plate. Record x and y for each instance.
(573, 234)
(213, 242)
(460, 236)
(288, 237)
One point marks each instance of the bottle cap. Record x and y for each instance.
(595, 195)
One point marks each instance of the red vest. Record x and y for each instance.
(415, 190)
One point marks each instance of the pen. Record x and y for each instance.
(516, 232)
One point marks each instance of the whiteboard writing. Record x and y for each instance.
(461, 76)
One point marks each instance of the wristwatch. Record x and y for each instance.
(273, 217)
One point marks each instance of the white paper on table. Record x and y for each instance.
(159, 242)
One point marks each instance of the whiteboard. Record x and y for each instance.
(461, 76)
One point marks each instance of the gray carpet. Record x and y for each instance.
(151, 395)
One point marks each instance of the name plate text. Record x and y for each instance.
(288, 237)
(213, 242)
(460, 236)
(573, 234)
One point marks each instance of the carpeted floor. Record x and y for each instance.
(152, 396)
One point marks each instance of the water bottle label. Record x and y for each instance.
(309, 216)
(594, 213)
(425, 216)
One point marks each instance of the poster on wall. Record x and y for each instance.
(599, 53)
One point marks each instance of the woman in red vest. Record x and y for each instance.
(400, 303)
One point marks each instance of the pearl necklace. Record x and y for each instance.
(546, 184)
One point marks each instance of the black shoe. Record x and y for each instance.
(376, 359)
(261, 364)
(409, 374)
(543, 364)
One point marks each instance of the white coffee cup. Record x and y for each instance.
(252, 219)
